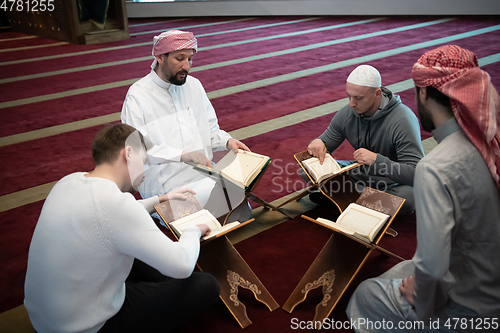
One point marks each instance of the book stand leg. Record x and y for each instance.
(300, 195)
(250, 195)
(266, 204)
(391, 232)
(220, 258)
(333, 270)
(340, 190)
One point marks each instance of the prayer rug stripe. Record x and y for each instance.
(20, 58)
(308, 47)
(354, 61)
(264, 82)
(25, 48)
(16, 38)
(149, 43)
(189, 27)
(241, 133)
(130, 26)
(100, 49)
(204, 57)
(13, 74)
(263, 26)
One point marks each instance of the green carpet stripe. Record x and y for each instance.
(157, 22)
(489, 60)
(290, 34)
(345, 63)
(191, 26)
(150, 43)
(16, 38)
(318, 45)
(260, 83)
(114, 48)
(67, 93)
(59, 129)
(74, 70)
(31, 47)
(195, 69)
(235, 30)
(30, 195)
(241, 134)
(25, 197)
(105, 49)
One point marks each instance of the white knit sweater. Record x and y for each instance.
(82, 250)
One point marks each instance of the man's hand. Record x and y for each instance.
(364, 156)
(205, 229)
(195, 157)
(407, 287)
(176, 194)
(234, 145)
(317, 149)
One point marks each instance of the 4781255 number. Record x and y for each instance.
(27, 5)
(472, 323)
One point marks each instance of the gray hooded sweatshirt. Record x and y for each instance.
(393, 132)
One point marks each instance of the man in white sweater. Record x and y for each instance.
(97, 261)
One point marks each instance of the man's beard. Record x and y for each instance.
(174, 80)
(425, 117)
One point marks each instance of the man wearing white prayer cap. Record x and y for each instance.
(171, 109)
(384, 132)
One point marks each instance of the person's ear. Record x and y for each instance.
(160, 58)
(126, 153)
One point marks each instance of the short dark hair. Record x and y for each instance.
(438, 96)
(111, 139)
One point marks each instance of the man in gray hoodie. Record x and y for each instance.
(384, 132)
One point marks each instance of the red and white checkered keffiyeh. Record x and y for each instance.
(173, 40)
(455, 72)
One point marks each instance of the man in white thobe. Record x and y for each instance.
(172, 110)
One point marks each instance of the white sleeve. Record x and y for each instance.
(134, 233)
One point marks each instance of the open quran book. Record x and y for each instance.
(182, 214)
(200, 217)
(330, 167)
(358, 221)
(241, 168)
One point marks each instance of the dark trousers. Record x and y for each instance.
(157, 303)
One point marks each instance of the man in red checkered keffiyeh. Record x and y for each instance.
(171, 108)
(454, 71)
(454, 271)
(173, 40)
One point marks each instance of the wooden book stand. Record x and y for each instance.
(250, 195)
(339, 189)
(219, 258)
(228, 188)
(342, 257)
